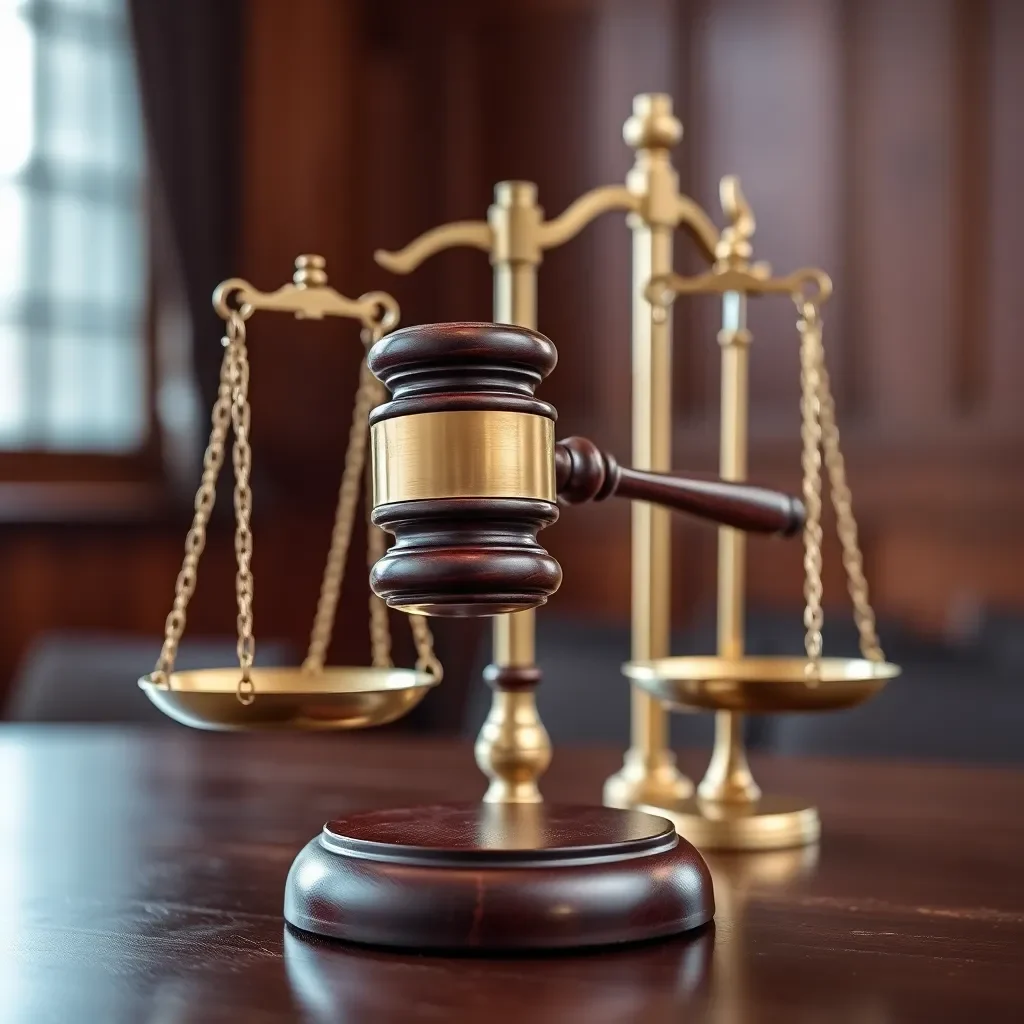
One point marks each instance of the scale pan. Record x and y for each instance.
(760, 684)
(290, 698)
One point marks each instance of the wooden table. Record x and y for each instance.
(141, 877)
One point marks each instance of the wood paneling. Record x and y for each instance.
(875, 139)
(767, 89)
(903, 166)
(298, 194)
(1000, 202)
(878, 138)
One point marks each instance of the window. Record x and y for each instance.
(73, 274)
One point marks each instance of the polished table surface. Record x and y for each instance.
(141, 878)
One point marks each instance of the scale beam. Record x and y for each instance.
(309, 297)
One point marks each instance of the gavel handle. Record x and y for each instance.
(585, 473)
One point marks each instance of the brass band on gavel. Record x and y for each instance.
(487, 454)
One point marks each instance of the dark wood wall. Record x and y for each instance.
(879, 139)
(875, 138)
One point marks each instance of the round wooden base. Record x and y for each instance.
(493, 877)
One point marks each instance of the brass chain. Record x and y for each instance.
(426, 659)
(380, 631)
(846, 524)
(241, 458)
(820, 432)
(195, 540)
(809, 326)
(344, 520)
(380, 636)
(376, 546)
(232, 411)
(369, 394)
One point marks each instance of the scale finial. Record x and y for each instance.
(310, 271)
(653, 124)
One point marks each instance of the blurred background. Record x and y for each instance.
(150, 149)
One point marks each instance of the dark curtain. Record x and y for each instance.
(189, 57)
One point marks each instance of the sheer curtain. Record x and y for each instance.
(189, 58)
(73, 266)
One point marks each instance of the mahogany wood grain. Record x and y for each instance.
(449, 367)
(141, 878)
(466, 557)
(472, 877)
(585, 473)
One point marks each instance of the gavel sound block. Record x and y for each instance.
(466, 472)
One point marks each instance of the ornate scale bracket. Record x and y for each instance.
(313, 696)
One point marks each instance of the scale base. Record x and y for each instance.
(644, 779)
(771, 823)
(491, 877)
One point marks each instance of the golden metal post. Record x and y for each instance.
(649, 774)
(513, 749)
(728, 777)
(513, 730)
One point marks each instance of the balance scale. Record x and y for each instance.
(513, 872)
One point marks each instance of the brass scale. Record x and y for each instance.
(727, 810)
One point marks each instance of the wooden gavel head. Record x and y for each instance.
(463, 464)
(466, 472)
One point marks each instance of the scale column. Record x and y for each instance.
(513, 749)
(649, 774)
(728, 778)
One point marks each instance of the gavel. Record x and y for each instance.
(466, 472)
